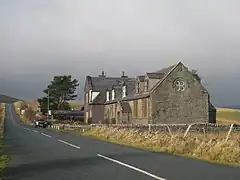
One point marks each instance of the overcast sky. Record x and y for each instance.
(42, 38)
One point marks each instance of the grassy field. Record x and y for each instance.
(7, 99)
(228, 116)
(210, 147)
(75, 104)
(3, 156)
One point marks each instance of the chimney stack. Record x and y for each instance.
(123, 75)
(103, 74)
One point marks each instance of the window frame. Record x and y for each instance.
(107, 96)
(124, 91)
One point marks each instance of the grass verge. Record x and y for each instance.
(3, 155)
(209, 146)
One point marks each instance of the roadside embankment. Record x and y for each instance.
(214, 143)
(212, 146)
(3, 155)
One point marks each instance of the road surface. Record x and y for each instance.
(44, 154)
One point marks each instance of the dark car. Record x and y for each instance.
(41, 123)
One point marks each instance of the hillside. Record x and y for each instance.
(75, 104)
(228, 116)
(7, 99)
(232, 107)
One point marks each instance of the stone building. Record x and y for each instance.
(171, 95)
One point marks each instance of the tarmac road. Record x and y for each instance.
(42, 154)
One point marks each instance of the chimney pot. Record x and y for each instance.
(103, 74)
(123, 75)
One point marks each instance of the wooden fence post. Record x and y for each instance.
(149, 128)
(169, 130)
(230, 130)
(185, 134)
(204, 132)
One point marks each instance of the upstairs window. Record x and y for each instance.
(137, 87)
(107, 96)
(124, 91)
(90, 95)
(146, 85)
(113, 94)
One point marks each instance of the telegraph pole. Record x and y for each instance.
(48, 107)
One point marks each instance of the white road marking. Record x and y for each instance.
(131, 167)
(46, 135)
(27, 129)
(35, 131)
(69, 144)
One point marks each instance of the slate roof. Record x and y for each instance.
(102, 84)
(130, 88)
(197, 77)
(165, 70)
(141, 78)
(100, 98)
(136, 96)
(155, 75)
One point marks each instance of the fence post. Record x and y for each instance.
(230, 130)
(204, 131)
(185, 134)
(149, 128)
(169, 130)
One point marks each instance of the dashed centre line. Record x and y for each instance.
(69, 144)
(99, 155)
(46, 135)
(131, 167)
(35, 131)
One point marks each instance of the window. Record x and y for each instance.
(146, 85)
(113, 94)
(124, 91)
(90, 95)
(107, 96)
(179, 85)
(138, 87)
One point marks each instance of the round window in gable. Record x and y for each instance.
(180, 85)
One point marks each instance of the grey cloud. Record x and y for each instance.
(39, 39)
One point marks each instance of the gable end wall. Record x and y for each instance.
(170, 106)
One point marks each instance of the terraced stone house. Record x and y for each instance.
(173, 95)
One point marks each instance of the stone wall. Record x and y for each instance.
(174, 127)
